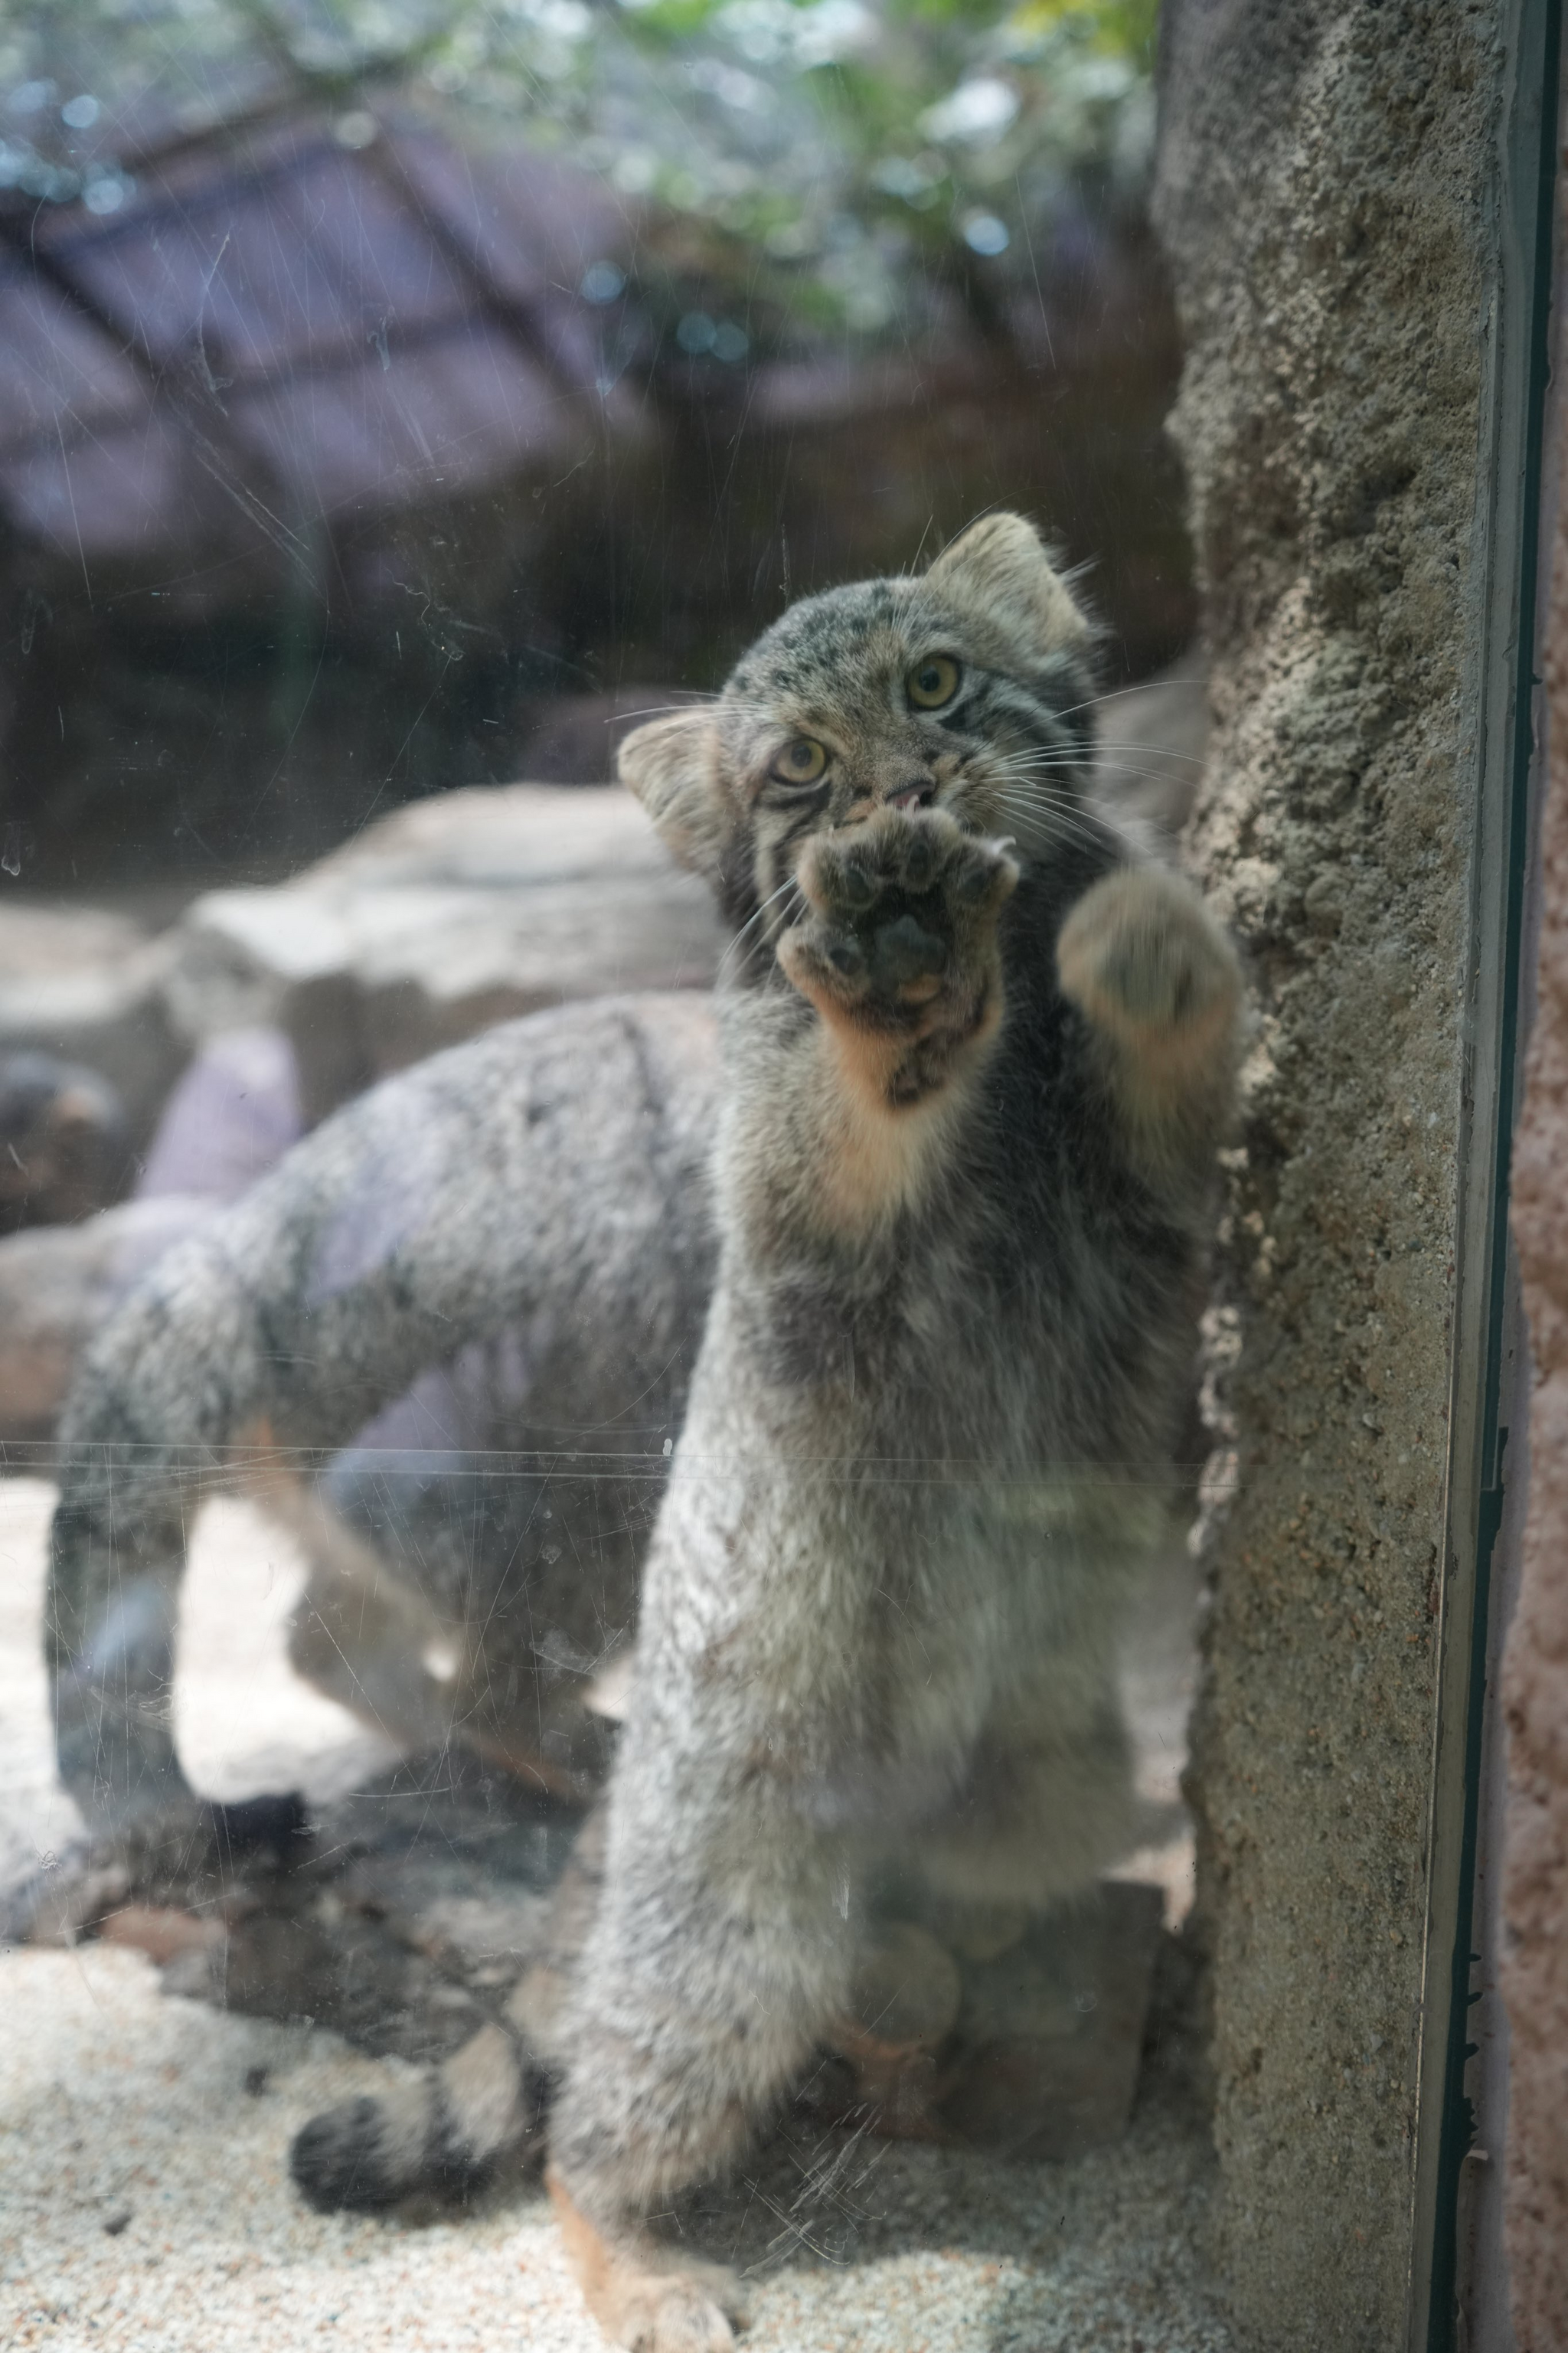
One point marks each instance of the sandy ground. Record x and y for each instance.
(145, 2203)
(145, 2206)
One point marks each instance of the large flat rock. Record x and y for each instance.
(455, 913)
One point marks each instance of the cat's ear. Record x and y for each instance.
(672, 766)
(999, 567)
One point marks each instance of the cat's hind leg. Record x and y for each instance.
(720, 1960)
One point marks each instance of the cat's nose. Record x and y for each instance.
(920, 794)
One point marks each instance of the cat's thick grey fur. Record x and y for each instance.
(976, 1059)
(537, 1199)
(973, 1091)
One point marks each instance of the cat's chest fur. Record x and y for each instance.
(900, 1500)
(1007, 1313)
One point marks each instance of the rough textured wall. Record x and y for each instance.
(1535, 1675)
(1324, 178)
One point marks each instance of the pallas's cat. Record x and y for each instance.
(978, 1054)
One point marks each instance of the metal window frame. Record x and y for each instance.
(1488, 1328)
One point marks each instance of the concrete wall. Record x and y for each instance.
(1326, 197)
(1535, 1676)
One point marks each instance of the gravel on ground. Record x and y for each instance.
(145, 2207)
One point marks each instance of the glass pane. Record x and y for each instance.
(614, 1104)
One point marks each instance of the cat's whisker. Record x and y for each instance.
(1191, 759)
(1086, 805)
(1042, 756)
(1056, 826)
(1043, 764)
(789, 883)
(1040, 780)
(1050, 822)
(1093, 702)
(1135, 768)
(1021, 783)
(659, 710)
(1058, 756)
(1031, 836)
(1027, 774)
(996, 778)
(1061, 817)
(1105, 767)
(1133, 836)
(742, 936)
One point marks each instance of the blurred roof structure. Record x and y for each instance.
(297, 330)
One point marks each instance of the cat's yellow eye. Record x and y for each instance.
(933, 683)
(800, 762)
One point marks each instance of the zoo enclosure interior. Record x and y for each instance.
(367, 453)
(532, 451)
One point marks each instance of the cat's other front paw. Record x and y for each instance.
(1160, 986)
(900, 935)
(1141, 956)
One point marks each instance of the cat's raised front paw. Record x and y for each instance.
(900, 936)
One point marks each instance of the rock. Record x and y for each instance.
(1034, 2051)
(394, 1920)
(421, 1896)
(906, 1993)
(230, 1118)
(455, 914)
(1348, 495)
(1535, 1672)
(460, 912)
(63, 1901)
(88, 987)
(979, 1932)
(905, 1997)
(1048, 2044)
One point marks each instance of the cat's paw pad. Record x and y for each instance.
(1140, 955)
(900, 932)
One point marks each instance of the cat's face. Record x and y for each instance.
(967, 688)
